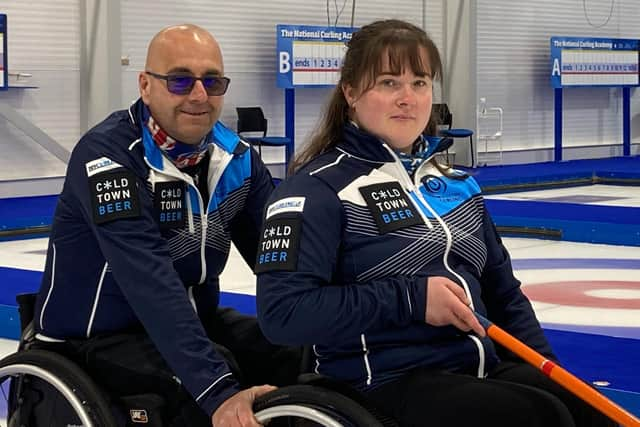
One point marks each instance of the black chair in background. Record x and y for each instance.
(444, 118)
(251, 120)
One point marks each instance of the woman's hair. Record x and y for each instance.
(403, 43)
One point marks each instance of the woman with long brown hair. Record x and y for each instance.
(378, 256)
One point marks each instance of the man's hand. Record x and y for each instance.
(447, 304)
(237, 411)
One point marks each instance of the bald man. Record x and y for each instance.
(153, 198)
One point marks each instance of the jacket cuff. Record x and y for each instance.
(218, 395)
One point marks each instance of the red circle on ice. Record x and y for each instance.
(576, 293)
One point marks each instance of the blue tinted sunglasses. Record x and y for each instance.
(182, 84)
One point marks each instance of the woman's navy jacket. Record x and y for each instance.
(347, 247)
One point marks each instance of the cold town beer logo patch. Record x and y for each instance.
(114, 195)
(170, 204)
(279, 242)
(390, 206)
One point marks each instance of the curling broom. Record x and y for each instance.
(560, 375)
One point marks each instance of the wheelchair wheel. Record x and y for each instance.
(305, 405)
(42, 388)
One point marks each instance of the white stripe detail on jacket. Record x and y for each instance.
(53, 276)
(328, 166)
(192, 300)
(131, 114)
(212, 385)
(133, 144)
(366, 358)
(409, 301)
(316, 368)
(478, 343)
(353, 156)
(45, 338)
(96, 299)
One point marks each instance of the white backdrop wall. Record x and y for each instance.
(46, 40)
(43, 38)
(507, 62)
(246, 32)
(513, 71)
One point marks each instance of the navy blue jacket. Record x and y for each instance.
(133, 244)
(347, 247)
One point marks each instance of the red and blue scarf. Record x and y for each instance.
(181, 154)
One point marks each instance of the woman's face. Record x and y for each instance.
(397, 108)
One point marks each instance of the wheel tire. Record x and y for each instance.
(344, 410)
(94, 405)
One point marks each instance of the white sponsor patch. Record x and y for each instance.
(289, 204)
(102, 164)
(139, 416)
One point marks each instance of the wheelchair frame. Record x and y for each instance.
(317, 403)
(79, 391)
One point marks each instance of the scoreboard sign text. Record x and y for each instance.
(310, 56)
(577, 61)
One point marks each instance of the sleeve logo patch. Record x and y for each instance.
(278, 249)
(114, 195)
(103, 164)
(390, 206)
(170, 204)
(289, 204)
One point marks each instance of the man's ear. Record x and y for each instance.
(144, 87)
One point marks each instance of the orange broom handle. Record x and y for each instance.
(560, 375)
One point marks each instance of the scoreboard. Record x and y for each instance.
(310, 56)
(577, 61)
(593, 62)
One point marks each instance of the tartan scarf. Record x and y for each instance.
(182, 155)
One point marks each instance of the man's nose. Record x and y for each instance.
(198, 92)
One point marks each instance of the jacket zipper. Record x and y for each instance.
(419, 201)
(415, 196)
(465, 285)
(192, 228)
(212, 183)
(173, 171)
(203, 233)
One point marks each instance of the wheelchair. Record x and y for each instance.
(44, 388)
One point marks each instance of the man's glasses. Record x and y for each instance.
(182, 84)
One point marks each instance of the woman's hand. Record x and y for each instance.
(447, 304)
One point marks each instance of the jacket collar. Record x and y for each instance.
(221, 136)
(362, 144)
